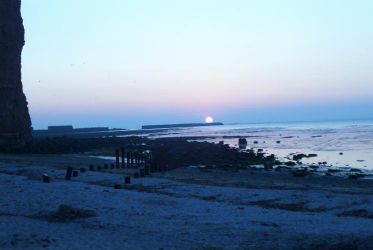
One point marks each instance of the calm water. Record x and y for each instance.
(341, 144)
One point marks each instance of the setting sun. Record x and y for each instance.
(209, 119)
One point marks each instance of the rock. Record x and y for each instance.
(355, 170)
(290, 163)
(311, 155)
(300, 173)
(278, 142)
(66, 214)
(15, 122)
(271, 158)
(268, 165)
(354, 176)
(330, 170)
(242, 143)
(260, 155)
(297, 157)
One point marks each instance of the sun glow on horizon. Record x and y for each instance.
(209, 119)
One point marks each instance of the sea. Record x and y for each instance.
(346, 146)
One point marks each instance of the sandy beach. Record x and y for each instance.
(172, 125)
(193, 207)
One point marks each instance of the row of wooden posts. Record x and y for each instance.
(146, 162)
(149, 161)
(131, 159)
(70, 172)
(143, 161)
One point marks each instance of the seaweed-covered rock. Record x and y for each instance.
(66, 213)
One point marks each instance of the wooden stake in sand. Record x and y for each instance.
(127, 180)
(122, 155)
(142, 172)
(132, 160)
(75, 173)
(117, 158)
(46, 178)
(128, 160)
(69, 172)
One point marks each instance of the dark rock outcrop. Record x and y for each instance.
(15, 123)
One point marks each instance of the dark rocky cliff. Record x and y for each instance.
(15, 123)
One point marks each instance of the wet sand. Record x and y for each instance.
(186, 208)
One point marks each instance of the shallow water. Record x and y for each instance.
(346, 144)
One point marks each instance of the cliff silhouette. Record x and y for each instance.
(15, 122)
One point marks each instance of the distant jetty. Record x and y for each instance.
(182, 125)
(95, 132)
(68, 130)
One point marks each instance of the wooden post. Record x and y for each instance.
(117, 158)
(128, 160)
(133, 160)
(137, 160)
(91, 167)
(82, 170)
(46, 178)
(142, 172)
(150, 162)
(122, 151)
(75, 173)
(106, 166)
(146, 169)
(141, 160)
(69, 171)
(127, 180)
(132, 164)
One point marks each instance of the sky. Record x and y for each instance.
(125, 63)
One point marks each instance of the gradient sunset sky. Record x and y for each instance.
(124, 63)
